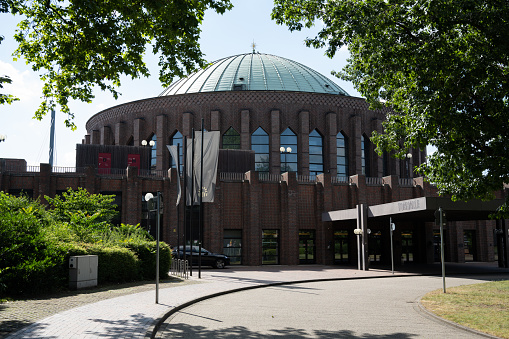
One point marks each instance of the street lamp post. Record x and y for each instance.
(285, 151)
(150, 143)
(408, 158)
(157, 198)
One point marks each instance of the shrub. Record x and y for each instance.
(146, 252)
(87, 215)
(27, 258)
(125, 234)
(116, 264)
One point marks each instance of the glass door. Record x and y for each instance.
(407, 247)
(270, 247)
(232, 246)
(375, 246)
(469, 245)
(307, 247)
(341, 247)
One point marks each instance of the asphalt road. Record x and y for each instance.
(365, 308)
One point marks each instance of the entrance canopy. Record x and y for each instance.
(421, 209)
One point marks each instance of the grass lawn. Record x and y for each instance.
(484, 307)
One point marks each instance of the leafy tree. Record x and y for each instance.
(87, 215)
(69, 203)
(5, 98)
(79, 44)
(441, 65)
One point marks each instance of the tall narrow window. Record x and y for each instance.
(153, 153)
(288, 151)
(231, 139)
(260, 144)
(342, 155)
(177, 139)
(365, 155)
(315, 153)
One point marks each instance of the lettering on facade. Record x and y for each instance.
(409, 205)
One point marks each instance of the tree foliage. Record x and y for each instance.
(25, 254)
(4, 79)
(441, 65)
(76, 45)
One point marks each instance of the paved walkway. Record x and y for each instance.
(368, 308)
(135, 315)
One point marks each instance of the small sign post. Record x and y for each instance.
(392, 227)
(441, 220)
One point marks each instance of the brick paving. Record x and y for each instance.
(131, 312)
(18, 314)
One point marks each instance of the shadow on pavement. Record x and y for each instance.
(180, 330)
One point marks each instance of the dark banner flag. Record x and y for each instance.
(175, 156)
(210, 160)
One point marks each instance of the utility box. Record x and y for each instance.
(83, 271)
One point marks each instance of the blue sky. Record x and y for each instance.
(222, 36)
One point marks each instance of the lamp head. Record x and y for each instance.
(152, 143)
(144, 142)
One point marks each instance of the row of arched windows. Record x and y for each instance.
(288, 150)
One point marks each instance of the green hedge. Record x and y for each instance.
(116, 264)
(146, 252)
(35, 247)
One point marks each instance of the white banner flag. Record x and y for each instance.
(210, 161)
(175, 155)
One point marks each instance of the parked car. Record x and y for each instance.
(207, 258)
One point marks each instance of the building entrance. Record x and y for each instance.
(270, 247)
(469, 243)
(341, 247)
(407, 247)
(375, 246)
(307, 247)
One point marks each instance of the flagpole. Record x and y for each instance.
(200, 201)
(178, 209)
(192, 203)
(184, 151)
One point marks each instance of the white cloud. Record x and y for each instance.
(25, 84)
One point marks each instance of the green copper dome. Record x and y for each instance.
(254, 72)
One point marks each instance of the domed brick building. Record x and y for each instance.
(298, 177)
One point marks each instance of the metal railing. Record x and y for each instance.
(306, 178)
(231, 176)
(153, 173)
(180, 268)
(406, 182)
(58, 169)
(340, 180)
(267, 177)
(374, 181)
(112, 171)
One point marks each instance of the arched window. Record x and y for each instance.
(231, 139)
(288, 151)
(342, 155)
(365, 155)
(260, 144)
(153, 153)
(177, 139)
(315, 153)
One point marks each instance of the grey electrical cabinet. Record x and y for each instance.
(83, 271)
